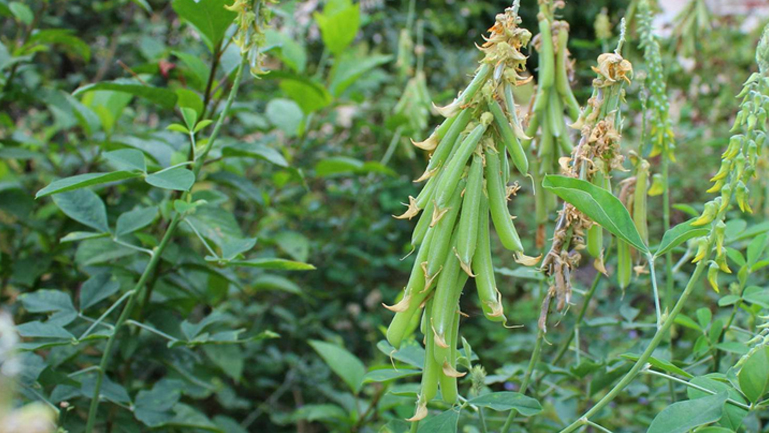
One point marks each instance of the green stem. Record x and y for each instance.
(693, 386)
(641, 362)
(526, 377)
(138, 289)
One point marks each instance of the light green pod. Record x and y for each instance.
(448, 383)
(512, 143)
(468, 220)
(413, 297)
(595, 232)
(442, 151)
(440, 246)
(452, 173)
(500, 214)
(562, 78)
(432, 370)
(485, 283)
(481, 75)
(624, 264)
(546, 55)
(640, 199)
(423, 224)
(447, 294)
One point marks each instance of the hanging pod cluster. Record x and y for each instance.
(553, 97)
(466, 185)
(592, 160)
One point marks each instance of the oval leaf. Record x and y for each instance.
(504, 401)
(178, 179)
(678, 235)
(83, 180)
(685, 415)
(599, 205)
(342, 362)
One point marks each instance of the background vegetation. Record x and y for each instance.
(288, 247)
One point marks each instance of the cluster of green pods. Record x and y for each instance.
(466, 190)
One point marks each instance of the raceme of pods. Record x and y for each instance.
(553, 97)
(593, 159)
(466, 189)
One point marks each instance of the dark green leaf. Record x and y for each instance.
(134, 220)
(599, 205)
(685, 415)
(209, 17)
(127, 159)
(85, 207)
(757, 295)
(754, 374)
(163, 97)
(255, 150)
(178, 179)
(50, 301)
(341, 362)
(82, 181)
(678, 235)
(37, 329)
(661, 364)
(732, 415)
(350, 68)
(97, 288)
(388, 374)
(504, 401)
(445, 422)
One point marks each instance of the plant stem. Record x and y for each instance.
(658, 336)
(138, 289)
(526, 377)
(565, 345)
(693, 386)
(653, 277)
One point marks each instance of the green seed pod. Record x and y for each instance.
(546, 54)
(423, 224)
(454, 167)
(440, 247)
(561, 76)
(432, 370)
(468, 221)
(446, 144)
(451, 281)
(512, 143)
(449, 374)
(624, 264)
(483, 267)
(415, 294)
(500, 213)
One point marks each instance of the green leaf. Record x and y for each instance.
(22, 12)
(339, 23)
(685, 415)
(310, 96)
(153, 408)
(50, 301)
(192, 330)
(95, 251)
(754, 375)
(97, 288)
(255, 150)
(286, 115)
(178, 127)
(190, 117)
(234, 247)
(177, 179)
(504, 401)
(411, 354)
(756, 248)
(272, 263)
(732, 415)
(109, 390)
(291, 52)
(83, 180)
(196, 65)
(37, 329)
(209, 17)
(65, 39)
(388, 374)
(341, 362)
(756, 295)
(445, 422)
(350, 68)
(661, 364)
(134, 220)
(678, 235)
(163, 97)
(81, 236)
(276, 282)
(599, 205)
(127, 159)
(294, 244)
(703, 317)
(85, 207)
(319, 412)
